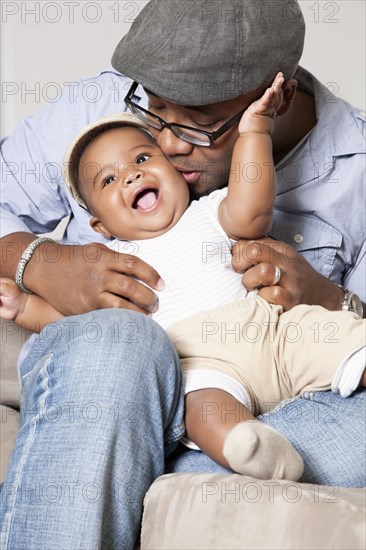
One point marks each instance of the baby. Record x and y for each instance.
(238, 355)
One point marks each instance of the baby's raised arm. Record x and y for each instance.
(246, 212)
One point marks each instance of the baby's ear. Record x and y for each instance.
(99, 227)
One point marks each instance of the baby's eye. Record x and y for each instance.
(142, 158)
(108, 180)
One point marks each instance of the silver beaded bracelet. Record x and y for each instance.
(24, 259)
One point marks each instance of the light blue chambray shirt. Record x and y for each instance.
(320, 207)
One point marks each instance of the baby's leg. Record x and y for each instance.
(321, 350)
(228, 433)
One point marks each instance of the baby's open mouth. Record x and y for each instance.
(145, 199)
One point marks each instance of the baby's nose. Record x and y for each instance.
(134, 176)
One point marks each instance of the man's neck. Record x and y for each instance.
(292, 127)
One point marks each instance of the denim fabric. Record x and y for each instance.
(102, 396)
(327, 430)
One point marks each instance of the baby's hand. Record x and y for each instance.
(11, 298)
(260, 115)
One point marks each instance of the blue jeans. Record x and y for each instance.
(327, 430)
(101, 400)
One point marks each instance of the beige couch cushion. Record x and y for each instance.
(9, 426)
(12, 339)
(220, 511)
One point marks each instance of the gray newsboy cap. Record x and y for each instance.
(196, 52)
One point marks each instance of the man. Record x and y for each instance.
(179, 52)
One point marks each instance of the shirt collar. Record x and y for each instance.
(336, 125)
(335, 134)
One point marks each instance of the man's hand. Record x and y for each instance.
(299, 282)
(78, 279)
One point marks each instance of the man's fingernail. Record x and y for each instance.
(155, 307)
(160, 284)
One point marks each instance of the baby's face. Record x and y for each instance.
(131, 189)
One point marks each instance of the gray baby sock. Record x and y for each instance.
(257, 450)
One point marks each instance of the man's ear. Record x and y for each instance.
(99, 227)
(289, 91)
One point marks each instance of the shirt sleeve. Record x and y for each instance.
(214, 199)
(31, 193)
(355, 278)
(34, 197)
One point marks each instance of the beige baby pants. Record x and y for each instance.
(275, 355)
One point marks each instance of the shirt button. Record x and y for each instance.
(298, 238)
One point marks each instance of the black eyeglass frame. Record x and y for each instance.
(212, 136)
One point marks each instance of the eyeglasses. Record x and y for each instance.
(185, 133)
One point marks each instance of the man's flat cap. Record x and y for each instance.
(196, 52)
